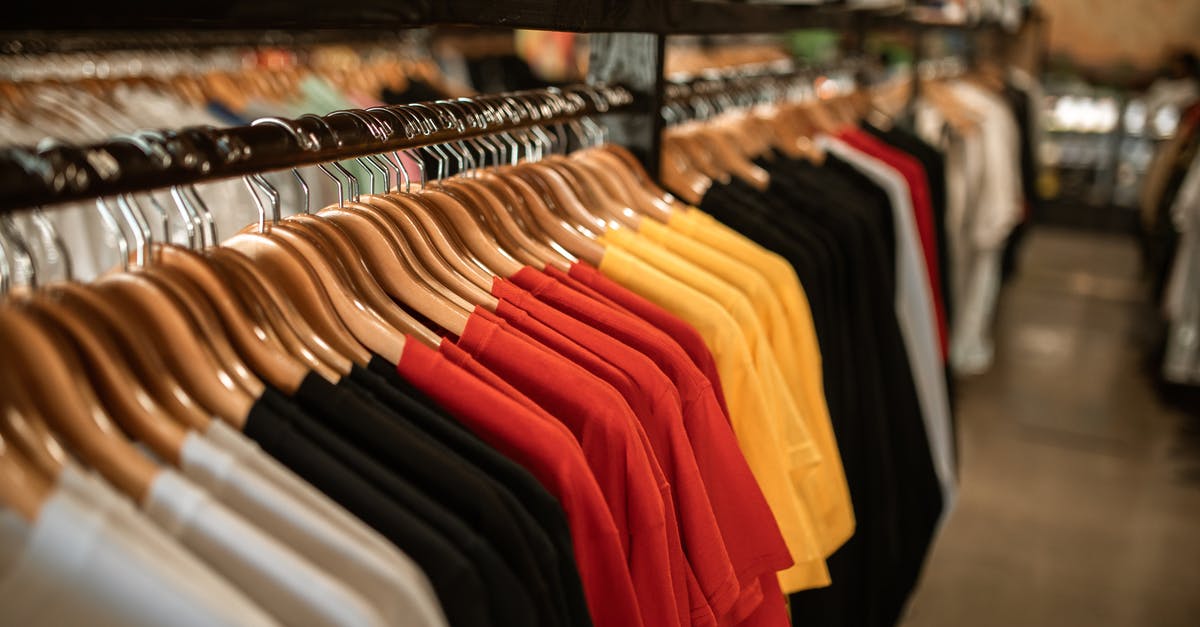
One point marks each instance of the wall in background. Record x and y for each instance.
(1099, 33)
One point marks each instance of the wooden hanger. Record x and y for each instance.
(683, 139)
(70, 408)
(485, 215)
(643, 177)
(728, 158)
(515, 218)
(127, 338)
(404, 235)
(447, 242)
(613, 209)
(385, 231)
(434, 252)
(279, 322)
(323, 239)
(561, 198)
(118, 389)
(375, 265)
(679, 174)
(615, 177)
(334, 344)
(312, 285)
(22, 488)
(474, 236)
(260, 346)
(22, 424)
(528, 211)
(204, 322)
(187, 356)
(557, 229)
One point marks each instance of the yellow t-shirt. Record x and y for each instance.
(802, 451)
(801, 408)
(750, 409)
(727, 253)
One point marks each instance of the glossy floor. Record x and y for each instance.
(1080, 501)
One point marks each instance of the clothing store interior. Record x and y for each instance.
(548, 313)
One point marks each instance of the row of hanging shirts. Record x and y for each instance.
(662, 398)
(204, 344)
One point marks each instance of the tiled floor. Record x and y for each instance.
(1080, 501)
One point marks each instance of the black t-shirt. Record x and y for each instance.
(535, 499)
(433, 483)
(835, 227)
(934, 164)
(912, 498)
(456, 580)
(533, 555)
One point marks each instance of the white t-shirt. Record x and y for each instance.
(397, 589)
(80, 564)
(288, 586)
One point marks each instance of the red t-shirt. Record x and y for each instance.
(657, 406)
(464, 360)
(771, 610)
(550, 455)
(609, 434)
(520, 323)
(918, 188)
(751, 536)
(683, 333)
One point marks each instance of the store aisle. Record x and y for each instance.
(1080, 500)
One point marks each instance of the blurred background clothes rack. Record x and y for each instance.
(736, 542)
(677, 346)
(81, 96)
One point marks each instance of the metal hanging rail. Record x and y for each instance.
(51, 174)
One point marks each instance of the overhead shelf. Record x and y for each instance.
(648, 16)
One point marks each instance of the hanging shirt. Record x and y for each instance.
(750, 410)
(660, 412)
(85, 562)
(792, 336)
(325, 405)
(917, 321)
(792, 424)
(612, 441)
(372, 575)
(521, 496)
(981, 228)
(679, 329)
(526, 327)
(553, 456)
(457, 582)
(400, 450)
(538, 503)
(918, 190)
(836, 234)
(414, 592)
(821, 481)
(749, 532)
(289, 587)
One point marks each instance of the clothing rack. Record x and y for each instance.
(628, 48)
(31, 177)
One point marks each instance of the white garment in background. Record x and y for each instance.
(1181, 300)
(80, 564)
(74, 116)
(291, 588)
(978, 229)
(393, 587)
(914, 312)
